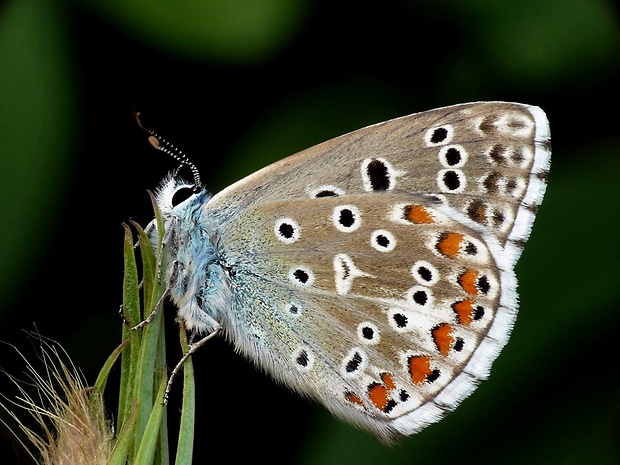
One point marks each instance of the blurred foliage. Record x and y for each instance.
(551, 42)
(36, 133)
(238, 84)
(233, 31)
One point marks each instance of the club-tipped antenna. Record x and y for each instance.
(162, 144)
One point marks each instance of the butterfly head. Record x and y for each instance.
(175, 195)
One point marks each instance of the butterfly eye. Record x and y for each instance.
(182, 194)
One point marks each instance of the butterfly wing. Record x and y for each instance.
(374, 272)
(389, 320)
(489, 160)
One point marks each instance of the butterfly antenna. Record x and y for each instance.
(162, 144)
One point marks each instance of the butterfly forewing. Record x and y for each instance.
(487, 158)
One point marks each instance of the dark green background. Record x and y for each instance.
(238, 84)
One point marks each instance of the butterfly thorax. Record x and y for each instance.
(196, 273)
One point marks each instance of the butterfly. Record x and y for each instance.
(373, 272)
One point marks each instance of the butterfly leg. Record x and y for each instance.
(193, 347)
(149, 318)
(122, 315)
(147, 230)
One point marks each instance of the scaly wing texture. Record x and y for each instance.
(378, 274)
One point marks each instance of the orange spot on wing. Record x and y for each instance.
(354, 398)
(450, 244)
(442, 335)
(418, 214)
(388, 381)
(419, 368)
(464, 310)
(378, 394)
(468, 281)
